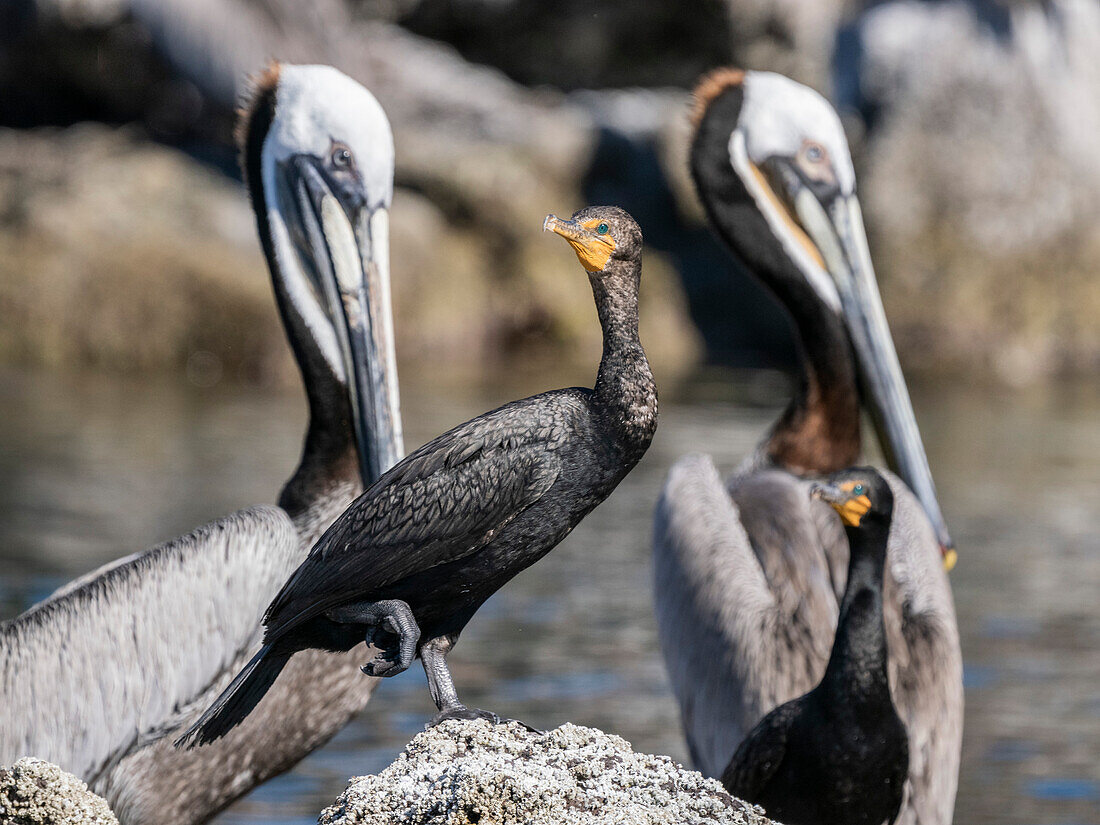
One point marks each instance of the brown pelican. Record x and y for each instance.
(411, 561)
(749, 574)
(101, 676)
(838, 755)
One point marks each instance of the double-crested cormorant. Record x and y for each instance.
(418, 553)
(749, 573)
(102, 676)
(838, 755)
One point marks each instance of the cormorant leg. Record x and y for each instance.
(392, 617)
(433, 655)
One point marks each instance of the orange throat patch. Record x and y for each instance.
(854, 509)
(595, 251)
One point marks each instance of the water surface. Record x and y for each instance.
(93, 469)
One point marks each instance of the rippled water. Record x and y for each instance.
(93, 469)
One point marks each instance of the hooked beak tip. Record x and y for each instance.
(567, 229)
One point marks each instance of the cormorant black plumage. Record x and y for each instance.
(415, 556)
(838, 755)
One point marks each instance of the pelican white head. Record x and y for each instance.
(321, 112)
(786, 144)
(782, 118)
(319, 156)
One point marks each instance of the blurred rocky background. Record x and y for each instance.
(126, 243)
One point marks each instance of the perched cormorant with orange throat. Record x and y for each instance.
(418, 553)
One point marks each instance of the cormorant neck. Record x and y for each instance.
(857, 665)
(329, 454)
(624, 389)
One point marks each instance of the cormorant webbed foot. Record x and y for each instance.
(390, 627)
(460, 711)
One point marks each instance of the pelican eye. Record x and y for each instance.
(814, 153)
(603, 229)
(341, 157)
(857, 490)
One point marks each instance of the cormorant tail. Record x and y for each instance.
(238, 699)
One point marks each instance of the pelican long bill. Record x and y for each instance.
(349, 242)
(838, 232)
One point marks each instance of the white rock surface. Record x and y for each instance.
(34, 792)
(475, 772)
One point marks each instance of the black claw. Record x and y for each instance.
(462, 712)
(381, 668)
(525, 726)
(388, 662)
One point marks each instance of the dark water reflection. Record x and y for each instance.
(90, 470)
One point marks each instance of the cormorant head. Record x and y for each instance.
(860, 495)
(767, 145)
(318, 158)
(600, 235)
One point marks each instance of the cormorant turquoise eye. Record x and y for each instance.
(857, 490)
(603, 229)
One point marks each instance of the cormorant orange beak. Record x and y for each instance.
(850, 507)
(593, 251)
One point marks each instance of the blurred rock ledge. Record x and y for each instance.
(461, 773)
(123, 255)
(981, 179)
(33, 792)
(110, 256)
(973, 122)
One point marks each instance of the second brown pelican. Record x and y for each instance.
(102, 676)
(749, 573)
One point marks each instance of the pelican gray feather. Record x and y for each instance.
(749, 573)
(68, 700)
(103, 675)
